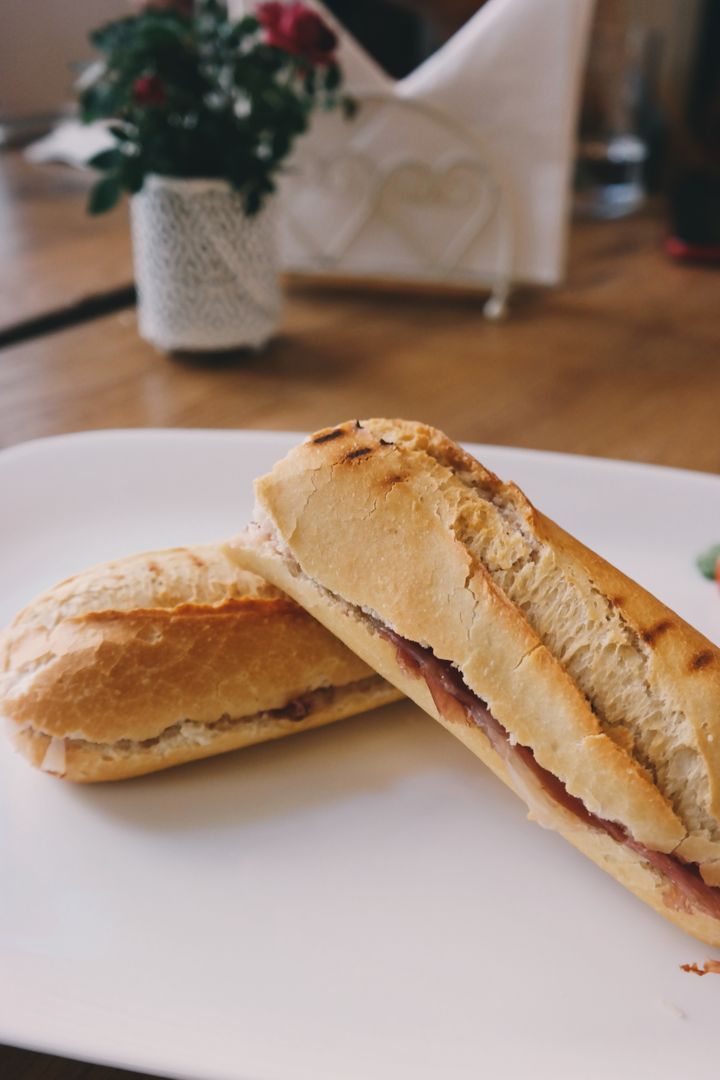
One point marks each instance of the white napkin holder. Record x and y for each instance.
(458, 174)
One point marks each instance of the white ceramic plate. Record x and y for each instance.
(364, 902)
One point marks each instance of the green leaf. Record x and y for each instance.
(91, 105)
(120, 132)
(114, 34)
(707, 562)
(106, 99)
(333, 77)
(242, 29)
(309, 81)
(217, 9)
(131, 173)
(248, 24)
(104, 195)
(161, 34)
(105, 160)
(280, 143)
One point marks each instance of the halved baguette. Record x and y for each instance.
(166, 657)
(393, 536)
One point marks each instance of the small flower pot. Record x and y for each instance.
(206, 273)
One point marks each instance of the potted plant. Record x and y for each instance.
(203, 110)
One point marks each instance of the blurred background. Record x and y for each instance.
(653, 71)
(595, 366)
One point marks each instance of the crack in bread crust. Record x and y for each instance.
(588, 634)
(97, 671)
(266, 554)
(478, 546)
(607, 657)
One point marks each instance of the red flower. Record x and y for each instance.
(148, 90)
(299, 30)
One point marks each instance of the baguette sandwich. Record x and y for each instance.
(595, 703)
(165, 657)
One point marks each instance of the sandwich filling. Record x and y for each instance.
(189, 733)
(456, 702)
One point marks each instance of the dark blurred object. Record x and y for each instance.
(609, 176)
(647, 110)
(396, 39)
(704, 96)
(653, 75)
(444, 16)
(400, 34)
(694, 232)
(612, 152)
(695, 218)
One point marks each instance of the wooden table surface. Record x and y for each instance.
(623, 361)
(54, 258)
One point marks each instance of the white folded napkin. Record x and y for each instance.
(403, 189)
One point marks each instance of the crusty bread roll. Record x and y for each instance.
(593, 701)
(165, 657)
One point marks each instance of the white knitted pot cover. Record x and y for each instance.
(206, 273)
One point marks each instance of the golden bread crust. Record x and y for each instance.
(613, 692)
(129, 649)
(88, 762)
(389, 493)
(682, 663)
(624, 864)
(627, 866)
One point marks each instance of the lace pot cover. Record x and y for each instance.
(206, 274)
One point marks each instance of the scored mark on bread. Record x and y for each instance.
(701, 660)
(650, 636)
(360, 452)
(329, 436)
(582, 619)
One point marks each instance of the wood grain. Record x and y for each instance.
(54, 256)
(621, 362)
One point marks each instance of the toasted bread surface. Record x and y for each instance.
(358, 632)
(131, 650)
(613, 692)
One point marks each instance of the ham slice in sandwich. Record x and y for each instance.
(594, 702)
